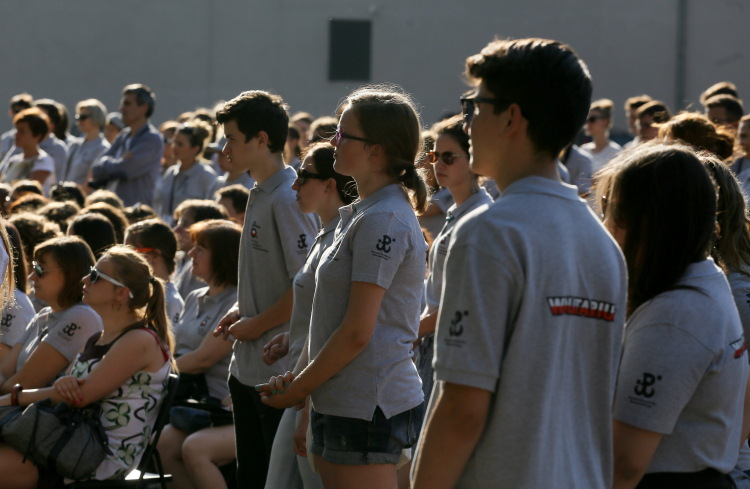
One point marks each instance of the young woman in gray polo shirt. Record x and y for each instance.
(365, 312)
(678, 408)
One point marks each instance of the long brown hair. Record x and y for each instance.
(665, 199)
(389, 118)
(75, 258)
(132, 269)
(19, 258)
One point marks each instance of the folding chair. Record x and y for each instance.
(139, 478)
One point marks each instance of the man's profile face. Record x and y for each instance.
(130, 110)
(239, 152)
(718, 115)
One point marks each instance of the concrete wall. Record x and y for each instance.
(196, 52)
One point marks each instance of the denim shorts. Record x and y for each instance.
(351, 441)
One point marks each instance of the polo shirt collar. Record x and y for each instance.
(206, 300)
(395, 189)
(468, 203)
(541, 185)
(277, 179)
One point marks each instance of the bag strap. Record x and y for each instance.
(32, 442)
(60, 444)
(158, 340)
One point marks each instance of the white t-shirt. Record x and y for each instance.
(17, 167)
(598, 160)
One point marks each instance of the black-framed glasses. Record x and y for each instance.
(339, 135)
(593, 118)
(469, 105)
(82, 117)
(304, 175)
(446, 157)
(95, 274)
(41, 271)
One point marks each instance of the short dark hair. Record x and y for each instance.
(37, 120)
(23, 187)
(60, 213)
(201, 210)
(96, 230)
(257, 111)
(301, 117)
(20, 102)
(721, 88)
(322, 128)
(222, 239)
(237, 193)
(633, 103)
(139, 212)
(51, 108)
(550, 84)
(19, 257)
(732, 106)
(34, 229)
(28, 203)
(106, 196)
(656, 109)
(115, 216)
(154, 233)
(143, 95)
(67, 191)
(75, 258)
(61, 129)
(323, 160)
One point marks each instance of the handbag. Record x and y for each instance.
(194, 409)
(71, 442)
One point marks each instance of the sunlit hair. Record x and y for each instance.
(696, 130)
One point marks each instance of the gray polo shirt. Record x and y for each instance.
(16, 317)
(683, 373)
(184, 280)
(739, 282)
(81, 155)
(304, 290)
(199, 317)
(196, 182)
(7, 141)
(174, 302)
(434, 283)
(275, 240)
(222, 181)
(443, 200)
(66, 331)
(378, 241)
(580, 167)
(532, 310)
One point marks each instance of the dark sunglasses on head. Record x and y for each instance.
(82, 117)
(303, 175)
(446, 157)
(469, 105)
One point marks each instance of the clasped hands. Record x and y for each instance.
(241, 329)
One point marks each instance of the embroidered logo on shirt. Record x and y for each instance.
(579, 306)
(739, 346)
(302, 241)
(70, 329)
(384, 244)
(456, 329)
(254, 229)
(643, 386)
(6, 321)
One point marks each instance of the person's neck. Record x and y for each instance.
(137, 125)
(115, 322)
(268, 167)
(187, 164)
(160, 269)
(92, 134)
(31, 151)
(330, 210)
(528, 165)
(368, 185)
(214, 289)
(601, 141)
(53, 305)
(233, 174)
(462, 191)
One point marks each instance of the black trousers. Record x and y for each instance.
(705, 479)
(255, 427)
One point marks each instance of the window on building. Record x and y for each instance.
(349, 50)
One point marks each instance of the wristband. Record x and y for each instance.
(14, 394)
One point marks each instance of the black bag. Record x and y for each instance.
(71, 442)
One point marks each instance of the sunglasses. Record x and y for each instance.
(303, 175)
(469, 105)
(338, 136)
(95, 274)
(40, 271)
(82, 117)
(593, 118)
(446, 157)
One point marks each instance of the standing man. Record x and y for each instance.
(529, 329)
(131, 165)
(274, 246)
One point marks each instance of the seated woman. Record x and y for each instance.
(58, 332)
(194, 459)
(125, 368)
(16, 315)
(158, 244)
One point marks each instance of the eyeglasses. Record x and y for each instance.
(446, 157)
(303, 175)
(469, 105)
(41, 271)
(95, 274)
(167, 140)
(338, 136)
(82, 117)
(593, 118)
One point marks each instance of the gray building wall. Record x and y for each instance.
(195, 52)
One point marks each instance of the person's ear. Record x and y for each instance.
(376, 153)
(262, 138)
(330, 185)
(122, 295)
(512, 121)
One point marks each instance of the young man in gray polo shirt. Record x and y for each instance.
(274, 245)
(533, 304)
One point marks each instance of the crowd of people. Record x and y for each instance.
(356, 301)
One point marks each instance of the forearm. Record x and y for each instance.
(31, 396)
(279, 313)
(195, 362)
(304, 358)
(428, 324)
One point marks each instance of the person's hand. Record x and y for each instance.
(280, 392)
(300, 433)
(128, 155)
(245, 330)
(231, 317)
(277, 348)
(70, 388)
(227, 402)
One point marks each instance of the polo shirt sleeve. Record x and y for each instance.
(660, 370)
(71, 331)
(297, 232)
(26, 334)
(478, 303)
(44, 163)
(379, 246)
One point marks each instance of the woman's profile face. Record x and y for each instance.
(48, 279)
(313, 192)
(351, 157)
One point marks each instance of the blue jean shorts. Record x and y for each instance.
(351, 441)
